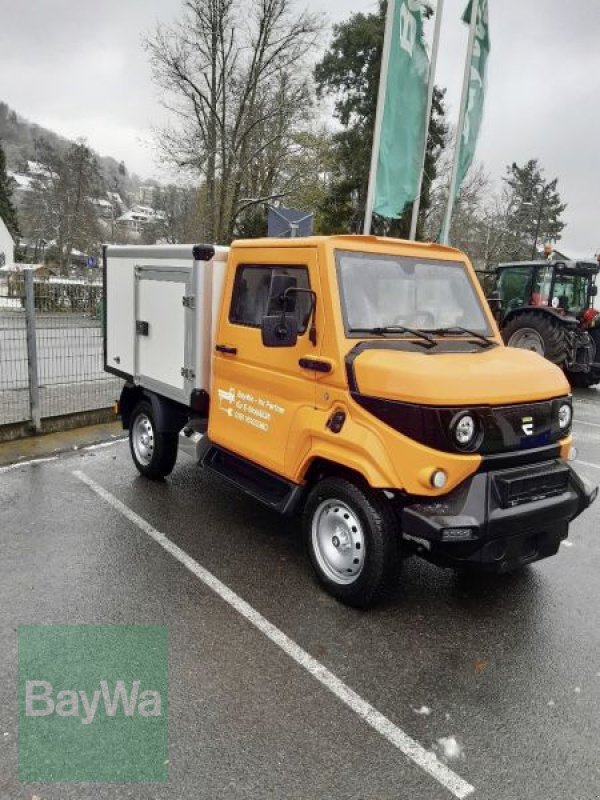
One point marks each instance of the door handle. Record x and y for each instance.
(316, 365)
(225, 348)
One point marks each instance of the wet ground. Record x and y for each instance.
(499, 677)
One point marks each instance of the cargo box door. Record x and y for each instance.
(163, 331)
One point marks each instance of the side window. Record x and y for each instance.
(514, 286)
(254, 294)
(541, 287)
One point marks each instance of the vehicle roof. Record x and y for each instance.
(585, 266)
(364, 242)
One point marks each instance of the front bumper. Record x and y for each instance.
(499, 521)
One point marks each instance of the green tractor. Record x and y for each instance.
(548, 307)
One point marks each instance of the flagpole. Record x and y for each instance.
(383, 73)
(432, 68)
(445, 236)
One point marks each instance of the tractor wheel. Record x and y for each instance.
(583, 380)
(540, 333)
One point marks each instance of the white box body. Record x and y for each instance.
(162, 306)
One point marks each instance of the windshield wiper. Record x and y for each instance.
(457, 329)
(423, 337)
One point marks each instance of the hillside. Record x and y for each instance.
(19, 138)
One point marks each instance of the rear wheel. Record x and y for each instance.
(540, 333)
(154, 454)
(351, 535)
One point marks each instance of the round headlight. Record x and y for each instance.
(565, 415)
(465, 430)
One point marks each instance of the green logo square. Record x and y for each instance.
(93, 703)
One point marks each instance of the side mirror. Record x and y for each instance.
(594, 291)
(279, 330)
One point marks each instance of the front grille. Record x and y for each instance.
(526, 485)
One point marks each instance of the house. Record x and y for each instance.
(138, 217)
(104, 208)
(7, 246)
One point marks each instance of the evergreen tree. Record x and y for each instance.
(7, 209)
(536, 210)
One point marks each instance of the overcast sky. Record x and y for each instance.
(78, 67)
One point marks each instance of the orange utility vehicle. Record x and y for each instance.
(359, 381)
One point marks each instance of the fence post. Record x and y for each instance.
(32, 362)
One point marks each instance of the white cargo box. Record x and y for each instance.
(162, 307)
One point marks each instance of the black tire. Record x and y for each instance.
(336, 501)
(156, 458)
(583, 380)
(550, 330)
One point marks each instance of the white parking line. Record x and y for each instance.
(102, 445)
(27, 463)
(583, 422)
(587, 464)
(423, 758)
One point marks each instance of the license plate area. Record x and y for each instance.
(527, 485)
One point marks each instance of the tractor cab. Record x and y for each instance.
(548, 307)
(567, 287)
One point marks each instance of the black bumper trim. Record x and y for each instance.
(490, 533)
(519, 458)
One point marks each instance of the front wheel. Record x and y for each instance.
(584, 380)
(351, 534)
(154, 454)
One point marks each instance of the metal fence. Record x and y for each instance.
(51, 348)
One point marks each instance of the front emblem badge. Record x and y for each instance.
(527, 426)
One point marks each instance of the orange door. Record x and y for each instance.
(258, 390)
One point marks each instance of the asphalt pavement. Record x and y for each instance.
(278, 691)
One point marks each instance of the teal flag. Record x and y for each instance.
(477, 87)
(404, 126)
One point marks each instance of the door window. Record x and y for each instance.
(515, 285)
(256, 294)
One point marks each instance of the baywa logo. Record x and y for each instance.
(40, 701)
(93, 703)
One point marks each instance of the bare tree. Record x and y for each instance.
(180, 218)
(59, 206)
(235, 75)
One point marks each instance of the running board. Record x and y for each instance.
(272, 490)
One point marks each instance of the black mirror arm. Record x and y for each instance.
(312, 334)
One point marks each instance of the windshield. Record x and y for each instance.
(570, 292)
(381, 291)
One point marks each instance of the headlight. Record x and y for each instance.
(465, 430)
(565, 415)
